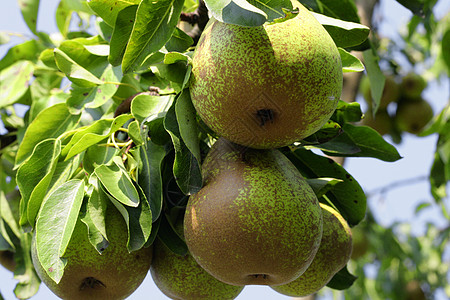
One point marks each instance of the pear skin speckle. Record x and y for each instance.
(334, 253)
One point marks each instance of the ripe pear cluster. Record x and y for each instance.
(412, 112)
(256, 220)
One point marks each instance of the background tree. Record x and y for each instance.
(106, 98)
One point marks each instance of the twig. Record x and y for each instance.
(397, 184)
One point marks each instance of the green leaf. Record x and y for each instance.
(238, 12)
(65, 10)
(187, 123)
(154, 25)
(138, 220)
(7, 214)
(328, 131)
(15, 81)
(94, 211)
(87, 136)
(174, 57)
(369, 141)
(109, 9)
(179, 41)
(98, 95)
(347, 112)
(415, 6)
(321, 186)
(97, 155)
(273, 9)
(121, 34)
(55, 224)
(48, 58)
(344, 9)
(49, 123)
(34, 177)
(342, 280)
(146, 108)
(347, 196)
(345, 34)
(63, 172)
(117, 182)
(149, 176)
(168, 235)
(28, 50)
(186, 167)
(350, 63)
(134, 133)
(445, 45)
(74, 72)
(25, 274)
(175, 72)
(29, 9)
(439, 177)
(376, 77)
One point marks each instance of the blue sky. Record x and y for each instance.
(396, 205)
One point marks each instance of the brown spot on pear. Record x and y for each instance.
(256, 220)
(181, 277)
(115, 274)
(334, 253)
(291, 71)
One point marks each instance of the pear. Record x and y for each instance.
(256, 220)
(266, 86)
(391, 92)
(180, 277)
(382, 122)
(412, 86)
(334, 253)
(361, 243)
(413, 116)
(115, 274)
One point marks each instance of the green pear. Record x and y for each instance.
(382, 122)
(180, 277)
(334, 253)
(412, 86)
(391, 92)
(266, 86)
(256, 220)
(360, 243)
(115, 274)
(413, 116)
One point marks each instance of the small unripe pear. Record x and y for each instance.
(360, 243)
(413, 116)
(391, 92)
(412, 86)
(382, 122)
(266, 86)
(334, 253)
